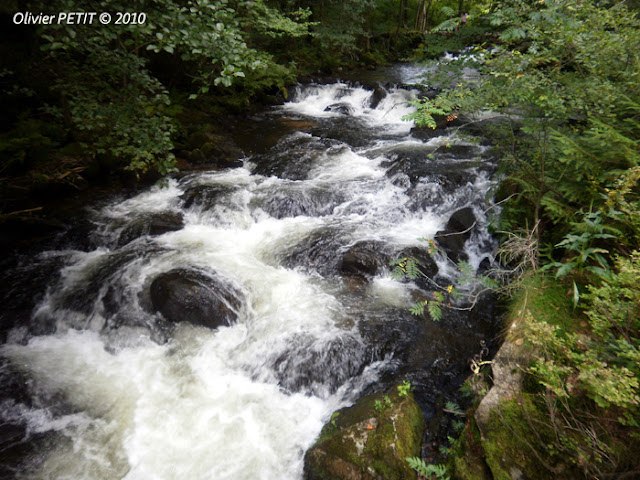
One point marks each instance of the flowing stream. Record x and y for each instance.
(99, 385)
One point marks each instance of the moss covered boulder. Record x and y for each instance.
(369, 440)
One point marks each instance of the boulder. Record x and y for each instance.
(369, 440)
(184, 295)
(152, 224)
(456, 233)
(295, 201)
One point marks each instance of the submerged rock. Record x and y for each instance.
(183, 295)
(369, 440)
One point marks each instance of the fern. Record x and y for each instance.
(418, 308)
(439, 471)
(435, 311)
(454, 408)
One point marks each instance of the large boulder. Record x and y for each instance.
(456, 233)
(369, 440)
(318, 252)
(183, 295)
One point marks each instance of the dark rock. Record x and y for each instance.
(293, 202)
(342, 108)
(426, 263)
(320, 252)
(292, 157)
(430, 94)
(426, 133)
(205, 196)
(208, 147)
(377, 96)
(457, 231)
(368, 441)
(364, 258)
(183, 295)
(318, 367)
(152, 225)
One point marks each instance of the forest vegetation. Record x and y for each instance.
(559, 96)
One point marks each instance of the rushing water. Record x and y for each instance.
(102, 387)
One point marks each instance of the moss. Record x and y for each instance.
(467, 455)
(546, 298)
(518, 437)
(369, 440)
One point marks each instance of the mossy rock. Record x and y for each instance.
(369, 440)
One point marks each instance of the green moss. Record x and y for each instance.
(371, 440)
(518, 438)
(546, 298)
(467, 455)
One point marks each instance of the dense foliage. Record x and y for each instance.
(560, 97)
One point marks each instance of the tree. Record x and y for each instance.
(107, 91)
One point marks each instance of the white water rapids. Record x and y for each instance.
(109, 398)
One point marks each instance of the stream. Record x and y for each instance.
(115, 372)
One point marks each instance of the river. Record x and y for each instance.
(100, 385)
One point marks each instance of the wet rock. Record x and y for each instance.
(426, 133)
(457, 231)
(293, 202)
(377, 96)
(426, 264)
(370, 440)
(364, 258)
(318, 252)
(207, 147)
(205, 196)
(152, 225)
(342, 108)
(183, 295)
(292, 157)
(319, 367)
